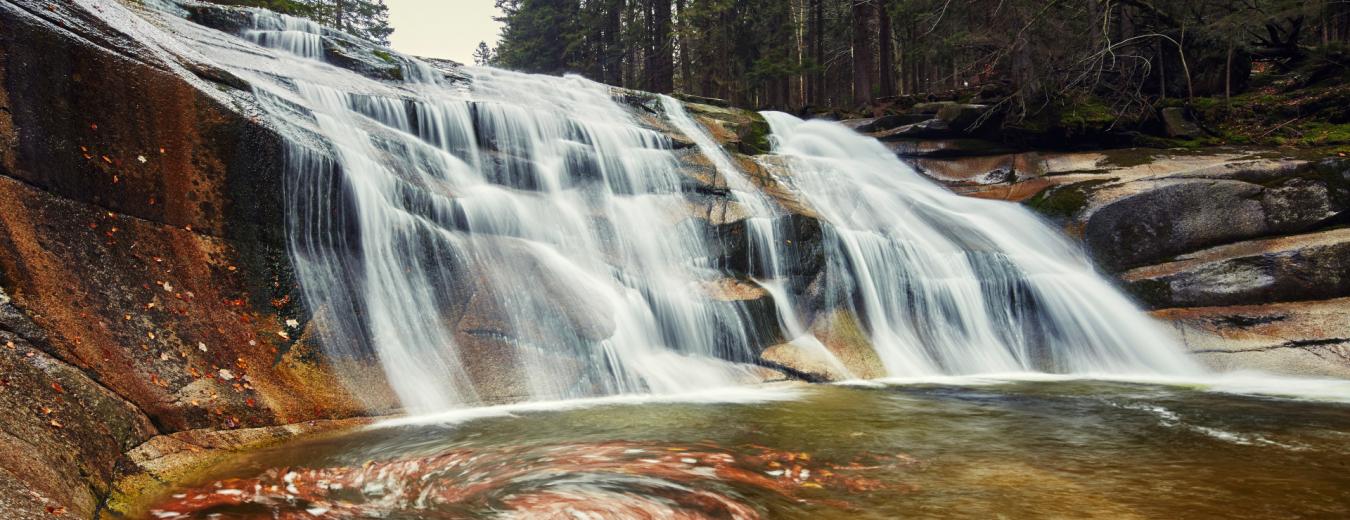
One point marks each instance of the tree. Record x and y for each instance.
(660, 61)
(368, 19)
(482, 56)
(864, 49)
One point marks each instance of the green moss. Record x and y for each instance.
(755, 135)
(1065, 201)
(1090, 112)
(384, 55)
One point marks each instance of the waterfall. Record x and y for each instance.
(957, 285)
(298, 36)
(504, 236)
(517, 237)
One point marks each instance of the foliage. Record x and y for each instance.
(1125, 55)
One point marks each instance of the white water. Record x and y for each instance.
(298, 36)
(957, 285)
(519, 237)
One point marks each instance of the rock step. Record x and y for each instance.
(1306, 338)
(1298, 267)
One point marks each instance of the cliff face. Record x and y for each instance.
(146, 283)
(147, 290)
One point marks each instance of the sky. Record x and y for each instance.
(442, 28)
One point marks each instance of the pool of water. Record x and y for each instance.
(961, 449)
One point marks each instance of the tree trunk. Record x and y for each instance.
(613, 44)
(886, 40)
(686, 66)
(864, 52)
(660, 62)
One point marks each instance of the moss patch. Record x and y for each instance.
(1065, 201)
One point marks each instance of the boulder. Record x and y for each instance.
(883, 123)
(1146, 221)
(1308, 339)
(1314, 266)
(964, 147)
(962, 117)
(1177, 124)
(837, 349)
(928, 129)
(742, 131)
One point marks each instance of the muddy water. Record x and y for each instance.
(1026, 449)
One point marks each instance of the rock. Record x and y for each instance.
(883, 123)
(1302, 267)
(143, 214)
(981, 170)
(1309, 339)
(928, 129)
(909, 147)
(1148, 221)
(61, 434)
(809, 359)
(737, 130)
(1177, 124)
(801, 246)
(164, 461)
(962, 117)
(838, 349)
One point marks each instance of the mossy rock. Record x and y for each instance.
(1065, 201)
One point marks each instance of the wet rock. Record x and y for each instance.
(962, 117)
(61, 434)
(152, 467)
(143, 216)
(737, 130)
(883, 123)
(1309, 338)
(801, 244)
(1301, 267)
(838, 349)
(944, 147)
(929, 129)
(1177, 124)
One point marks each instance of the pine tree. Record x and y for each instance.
(483, 55)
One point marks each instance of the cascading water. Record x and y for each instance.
(956, 285)
(512, 237)
(519, 236)
(298, 36)
(765, 244)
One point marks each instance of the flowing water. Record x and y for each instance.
(503, 236)
(957, 285)
(961, 449)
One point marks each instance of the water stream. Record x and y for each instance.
(512, 237)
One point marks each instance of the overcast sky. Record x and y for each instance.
(442, 28)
